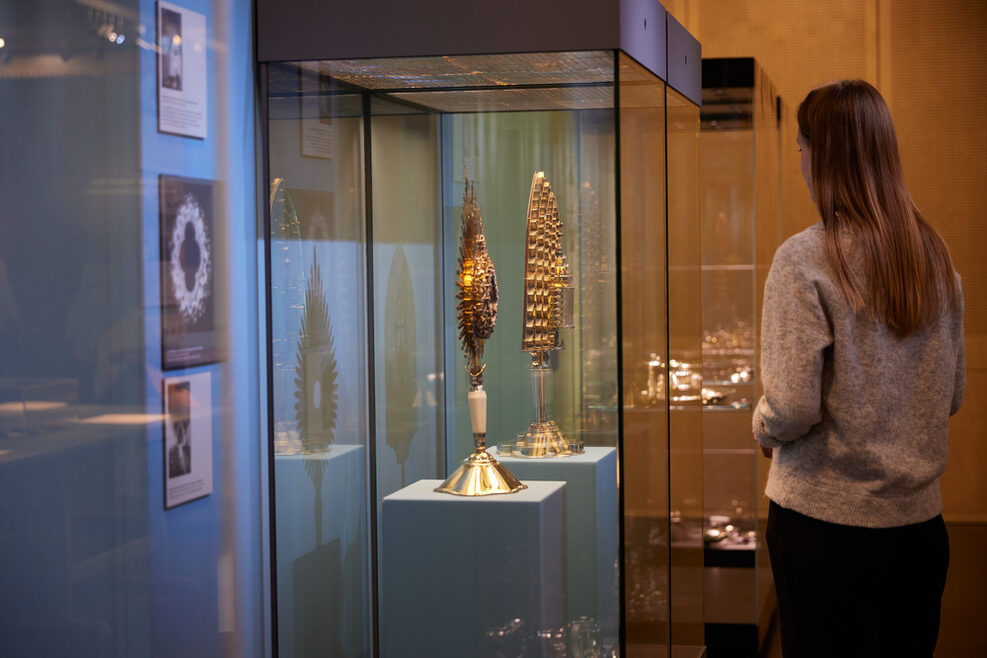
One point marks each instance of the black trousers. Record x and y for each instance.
(846, 591)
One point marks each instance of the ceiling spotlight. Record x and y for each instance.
(111, 36)
(2, 42)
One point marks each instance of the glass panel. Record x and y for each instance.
(645, 358)
(741, 229)
(420, 126)
(768, 225)
(319, 349)
(685, 364)
(130, 514)
(576, 151)
(729, 365)
(410, 396)
(75, 494)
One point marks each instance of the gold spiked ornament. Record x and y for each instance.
(548, 307)
(479, 474)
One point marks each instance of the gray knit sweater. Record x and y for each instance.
(856, 416)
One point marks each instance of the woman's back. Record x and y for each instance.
(862, 365)
(872, 437)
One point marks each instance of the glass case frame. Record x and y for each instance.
(431, 119)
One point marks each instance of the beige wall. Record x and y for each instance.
(928, 60)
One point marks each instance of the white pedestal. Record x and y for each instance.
(322, 590)
(454, 568)
(592, 528)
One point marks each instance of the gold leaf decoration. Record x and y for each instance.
(477, 284)
(547, 281)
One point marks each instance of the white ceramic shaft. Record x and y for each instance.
(478, 410)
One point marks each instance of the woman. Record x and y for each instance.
(862, 366)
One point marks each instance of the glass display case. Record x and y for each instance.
(684, 348)
(741, 226)
(374, 165)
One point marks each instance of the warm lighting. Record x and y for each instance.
(2, 42)
(176, 40)
(124, 419)
(18, 407)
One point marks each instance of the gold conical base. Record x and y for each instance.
(544, 439)
(481, 475)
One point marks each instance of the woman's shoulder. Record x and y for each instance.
(807, 248)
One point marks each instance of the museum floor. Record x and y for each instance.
(964, 604)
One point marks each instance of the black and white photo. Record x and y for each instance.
(187, 438)
(171, 49)
(182, 47)
(180, 448)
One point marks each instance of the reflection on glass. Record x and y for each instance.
(741, 229)
(687, 390)
(76, 501)
(400, 343)
(409, 373)
(128, 475)
(319, 344)
(645, 344)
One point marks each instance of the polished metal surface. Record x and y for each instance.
(547, 282)
(477, 284)
(548, 307)
(481, 475)
(545, 439)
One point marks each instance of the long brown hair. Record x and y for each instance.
(860, 190)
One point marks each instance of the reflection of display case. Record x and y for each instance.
(400, 122)
(741, 225)
(32, 405)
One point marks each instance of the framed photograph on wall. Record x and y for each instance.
(317, 134)
(189, 248)
(187, 402)
(182, 94)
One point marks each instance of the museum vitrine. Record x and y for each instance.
(445, 228)
(741, 227)
(685, 347)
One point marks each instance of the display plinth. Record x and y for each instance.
(319, 576)
(456, 569)
(591, 528)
